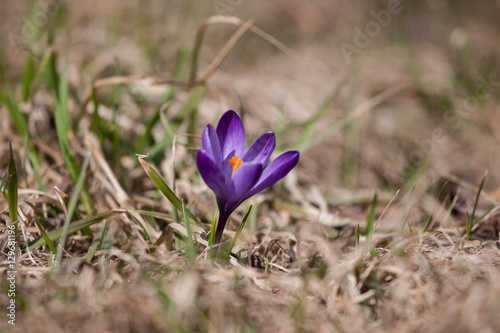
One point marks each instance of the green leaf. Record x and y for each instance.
(163, 187)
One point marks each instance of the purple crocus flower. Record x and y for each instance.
(235, 173)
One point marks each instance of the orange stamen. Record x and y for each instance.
(235, 162)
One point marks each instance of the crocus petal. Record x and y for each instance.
(231, 135)
(278, 169)
(261, 149)
(212, 174)
(211, 144)
(244, 178)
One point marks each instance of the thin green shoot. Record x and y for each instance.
(471, 223)
(356, 237)
(117, 97)
(146, 234)
(51, 76)
(15, 113)
(12, 189)
(238, 232)
(180, 66)
(191, 253)
(103, 236)
(62, 127)
(311, 123)
(253, 218)
(435, 206)
(72, 207)
(468, 225)
(211, 237)
(167, 139)
(189, 110)
(42, 69)
(32, 154)
(370, 219)
(22, 127)
(266, 268)
(46, 238)
(28, 75)
(163, 187)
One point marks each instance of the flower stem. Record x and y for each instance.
(221, 224)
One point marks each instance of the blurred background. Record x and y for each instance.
(379, 94)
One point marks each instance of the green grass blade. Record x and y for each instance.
(42, 68)
(72, 206)
(435, 206)
(164, 188)
(12, 188)
(189, 110)
(370, 218)
(150, 213)
(74, 227)
(356, 237)
(180, 66)
(103, 235)
(191, 253)
(15, 113)
(29, 74)
(51, 76)
(22, 127)
(62, 127)
(158, 148)
(468, 225)
(311, 123)
(211, 237)
(471, 223)
(46, 238)
(238, 232)
(131, 213)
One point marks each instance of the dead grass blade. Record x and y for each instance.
(225, 51)
(387, 206)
